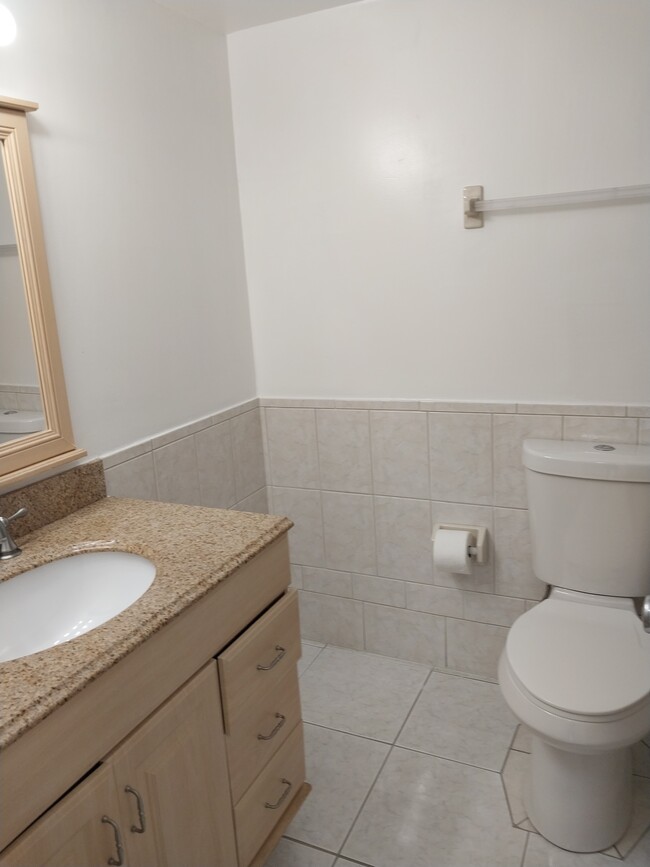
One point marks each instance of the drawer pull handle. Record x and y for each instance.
(115, 862)
(141, 815)
(283, 796)
(272, 734)
(275, 661)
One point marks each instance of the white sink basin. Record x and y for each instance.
(61, 600)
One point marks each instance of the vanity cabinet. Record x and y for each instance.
(211, 776)
(160, 800)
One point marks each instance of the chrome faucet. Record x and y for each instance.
(8, 547)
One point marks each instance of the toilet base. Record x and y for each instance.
(579, 801)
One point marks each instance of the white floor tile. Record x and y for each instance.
(421, 805)
(640, 819)
(523, 740)
(514, 778)
(341, 769)
(288, 853)
(361, 693)
(541, 853)
(309, 654)
(461, 719)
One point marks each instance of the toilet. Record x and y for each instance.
(576, 668)
(15, 423)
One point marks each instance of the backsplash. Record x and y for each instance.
(364, 482)
(56, 497)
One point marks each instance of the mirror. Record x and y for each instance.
(35, 428)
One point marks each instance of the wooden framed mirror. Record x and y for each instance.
(29, 344)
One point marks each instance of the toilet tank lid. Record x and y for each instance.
(588, 460)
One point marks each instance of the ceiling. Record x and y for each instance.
(226, 16)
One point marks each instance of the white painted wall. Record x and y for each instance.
(356, 130)
(135, 168)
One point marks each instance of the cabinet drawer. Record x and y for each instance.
(257, 661)
(261, 808)
(261, 727)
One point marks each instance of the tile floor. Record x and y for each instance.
(406, 765)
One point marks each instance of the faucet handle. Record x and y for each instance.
(19, 514)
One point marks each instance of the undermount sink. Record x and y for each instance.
(64, 599)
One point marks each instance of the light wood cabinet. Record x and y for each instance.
(172, 780)
(160, 800)
(208, 778)
(72, 832)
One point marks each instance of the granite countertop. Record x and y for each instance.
(193, 549)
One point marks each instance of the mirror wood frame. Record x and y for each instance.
(36, 453)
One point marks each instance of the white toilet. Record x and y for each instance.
(576, 668)
(16, 423)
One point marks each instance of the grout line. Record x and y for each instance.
(309, 845)
(525, 851)
(412, 708)
(365, 800)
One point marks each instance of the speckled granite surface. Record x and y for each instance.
(52, 499)
(193, 549)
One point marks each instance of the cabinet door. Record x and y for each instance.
(76, 831)
(172, 782)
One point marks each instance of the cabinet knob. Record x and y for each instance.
(141, 814)
(273, 662)
(115, 862)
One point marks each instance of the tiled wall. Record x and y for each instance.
(364, 482)
(20, 397)
(216, 461)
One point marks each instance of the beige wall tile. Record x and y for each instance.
(292, 447)
(570, 409)
(134, 478)
(640, 411)
(349, 528)
(306, 536)
(344, 450)
(514, 574)
(466, 406)
(383, 591)
(177, 479)
(331, 619)
(460, 457)
(248, 452)
(326, 581)
(474, 648)
(216, 468)
(404, 634)
(445, 601)
(486, 608)
(509, 433)
(404, 539)
(400, 459)
(127, 454)
(644, 431)
(615, 430)
(257, 502)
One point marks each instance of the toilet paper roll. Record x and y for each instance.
(450, 552)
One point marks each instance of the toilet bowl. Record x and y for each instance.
(576, 668)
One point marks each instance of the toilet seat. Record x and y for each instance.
(581, 661)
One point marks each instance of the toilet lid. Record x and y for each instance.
(583, 659)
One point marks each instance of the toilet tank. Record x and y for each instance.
(590, 515)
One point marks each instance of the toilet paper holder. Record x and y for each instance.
(478, 551)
